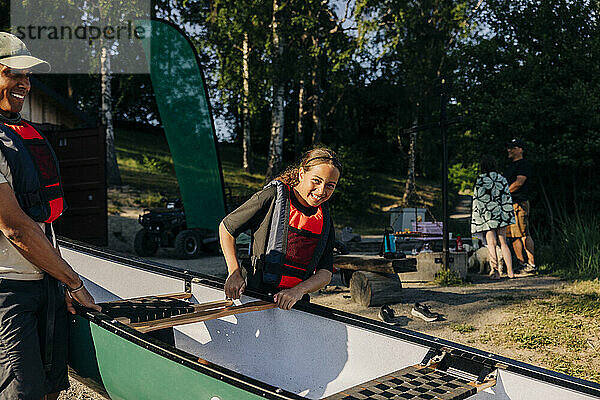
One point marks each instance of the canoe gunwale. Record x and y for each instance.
(268, 391)
(184, 358)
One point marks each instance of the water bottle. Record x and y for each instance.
(459, 244)
(389, 243)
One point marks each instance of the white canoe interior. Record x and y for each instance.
(303, 353)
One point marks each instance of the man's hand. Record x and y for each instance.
(288, 297)
(235, 284)
(83, 297)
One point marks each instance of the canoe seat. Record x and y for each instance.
(415, 382)
(152, 313)
(148, 308)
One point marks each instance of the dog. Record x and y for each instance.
(481, 259)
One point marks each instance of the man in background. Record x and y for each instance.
(518, 175)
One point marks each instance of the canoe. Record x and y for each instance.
(170, 334)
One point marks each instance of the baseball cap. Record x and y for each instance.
(14, 54)
(515, 143)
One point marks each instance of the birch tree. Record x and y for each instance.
(235, 36)
(246, 141)
(113, 175)
(277, 111)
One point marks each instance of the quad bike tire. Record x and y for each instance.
(213, 248)
(144, 244)
(188, 244)
(345, 276)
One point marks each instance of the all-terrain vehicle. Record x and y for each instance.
(166, 227)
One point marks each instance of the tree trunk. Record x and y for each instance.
(371, 289)
(69, 89)
(113, 176)
(246, 143)
(277, 111)
(409, 188)
(316, 109)
(300, 127)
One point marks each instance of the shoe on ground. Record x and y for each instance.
(386, 314)
(423, 312)
(529, 268)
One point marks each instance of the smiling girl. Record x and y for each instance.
(292, 233)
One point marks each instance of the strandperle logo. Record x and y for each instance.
(82, 36)
(89, 33)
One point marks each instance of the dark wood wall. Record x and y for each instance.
(81, 155)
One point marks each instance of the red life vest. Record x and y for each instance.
(34, 169)
(296, 240)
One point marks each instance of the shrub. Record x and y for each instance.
(447, 277)
(156, 165)
(574, 252)
(463, 177)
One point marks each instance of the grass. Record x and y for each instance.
(560, 326)
(149, 200)
(114, 210)
(504, 298)
(242, 184)
(574, 251)
(145, 162)
(462, 328)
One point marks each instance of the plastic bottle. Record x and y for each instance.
(459, 244)
(390, 243)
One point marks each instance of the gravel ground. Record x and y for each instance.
(476, 305)
(79, 391)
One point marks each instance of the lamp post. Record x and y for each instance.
(443, 125)
(443, 131)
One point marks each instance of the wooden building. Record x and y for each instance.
(44, 105)
(79, 144)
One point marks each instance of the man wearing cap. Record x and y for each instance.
(518, 176)
(33, 275)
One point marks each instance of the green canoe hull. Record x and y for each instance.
(131, 371)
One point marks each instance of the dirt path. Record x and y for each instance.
(478, 303)
(468, 311)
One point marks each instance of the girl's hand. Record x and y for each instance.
(288, 297)
(235, 285)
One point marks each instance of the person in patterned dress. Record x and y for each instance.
(492, 212)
